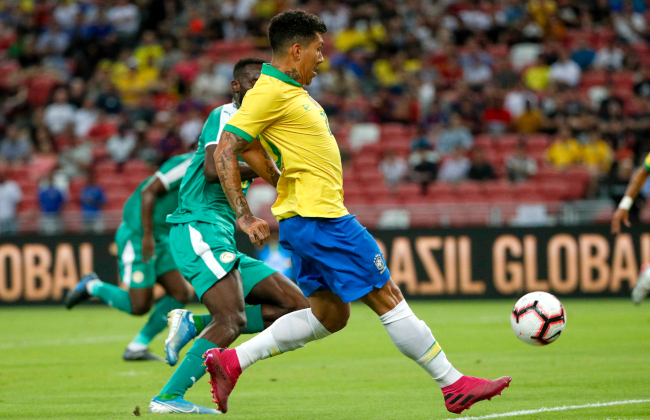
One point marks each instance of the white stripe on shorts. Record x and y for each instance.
(203, 250)
(128, 256)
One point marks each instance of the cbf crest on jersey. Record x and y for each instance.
(379, 263)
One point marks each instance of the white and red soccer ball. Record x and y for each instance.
(538, 318)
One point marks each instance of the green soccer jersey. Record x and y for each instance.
(199, 200)
(170, 174)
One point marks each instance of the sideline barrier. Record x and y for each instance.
(426, 263)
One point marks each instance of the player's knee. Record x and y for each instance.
(296, 302)
(334, 324)
(139, 308)
(239, 323)
(183, 296)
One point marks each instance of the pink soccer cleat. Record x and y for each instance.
(224, 369)
(466, 391)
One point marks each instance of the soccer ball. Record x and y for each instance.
(538, 318)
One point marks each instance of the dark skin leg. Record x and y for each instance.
(225, 302)
(278, 296)
(171, 281)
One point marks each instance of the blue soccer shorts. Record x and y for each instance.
(333, 254)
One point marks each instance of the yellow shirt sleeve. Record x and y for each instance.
(260, 108)
(647, 163)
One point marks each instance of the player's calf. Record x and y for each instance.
(642, 286)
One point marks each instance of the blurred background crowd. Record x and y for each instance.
(450, 112)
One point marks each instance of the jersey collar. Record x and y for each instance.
(270, 71)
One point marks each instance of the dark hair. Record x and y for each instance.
(240, 67)
(294, 26)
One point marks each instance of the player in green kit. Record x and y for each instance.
(144, 258)
(202, 242)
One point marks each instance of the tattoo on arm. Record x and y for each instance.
(228, 170)
(271, 170)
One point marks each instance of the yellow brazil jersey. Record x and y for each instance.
(294, 129)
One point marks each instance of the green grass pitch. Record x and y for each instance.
(59, 364)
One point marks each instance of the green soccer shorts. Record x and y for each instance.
(135, 273)
(206, 252)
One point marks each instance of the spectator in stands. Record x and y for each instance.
(609, 57)
(51, 200)
(92, 200)
(530, 121)
(59, 113)
(496, 119)
(481, 169)
(135, 81)
(393, 168)
(150, 52)
(615, 186)
(520, 166)
(421, 138)
(53, 41)
(456, 135)
(504, 76)
(423, 163)
(171, 144)
(456, 167)
(75, 160)
(15, 147)
(537, 75)
(109, 100)
(642, 82)
(565, 151)
(208, 86)
(515, 100)
(10, 197)
(125, 18)
(192, 127)
(85, 117)
(121, 146)
(584, 55)
(597, 155)
(565, 70)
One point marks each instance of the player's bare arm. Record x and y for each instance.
(210, 168)
(622, 213)
(227, 165)
(148, 195)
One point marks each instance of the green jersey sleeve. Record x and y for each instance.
(171, 172)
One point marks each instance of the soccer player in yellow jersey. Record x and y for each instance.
(335, 260)
(622, 215)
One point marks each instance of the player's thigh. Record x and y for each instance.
(225, 299)
(329, 309)
(134, 273)
(263, 285)
(175, 285)
(203, 254)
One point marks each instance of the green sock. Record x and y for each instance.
(157, 320)
(255, 322)
(188, 372)
(112, 295)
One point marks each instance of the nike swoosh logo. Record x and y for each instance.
(306, 107)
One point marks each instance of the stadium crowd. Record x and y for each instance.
(96, 93)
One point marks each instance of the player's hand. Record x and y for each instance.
(256, 229)
(621, 215)
(148, 248)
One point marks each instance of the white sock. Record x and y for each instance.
(90, 286)
(413, 338)
(137, 346)
(288, 333)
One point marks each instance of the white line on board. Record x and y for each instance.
(544, 409)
